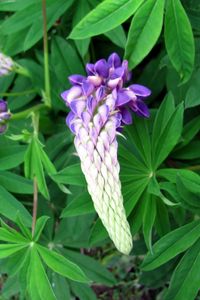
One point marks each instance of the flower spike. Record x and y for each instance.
(100, 107)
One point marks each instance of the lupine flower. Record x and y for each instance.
(100, 107)
(4, 116)
(6, 65)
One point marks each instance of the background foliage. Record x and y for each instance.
(70, 255)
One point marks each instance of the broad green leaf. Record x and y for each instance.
(190, 179)
(98, 233)
(40, 224)
(80, 205)
(60, 286)
(61, 265)
(169, 137)
(117, 36)
(10, 207)
(106, 16)
(179, 39)
(82, 291)
(65, 65)
(12, 236)
(39, 286)
(171, 245)
(162, 222)
(33, 166)
(54, 11)
(145, 30)
(148, 220)
(11, 156)
(9, 249)
(70, 175)
(186, 277)
(15, 183)
(163, 115)
(82, 9)
(190, 130)
(188, 152)
(92, 268)
(136, 217)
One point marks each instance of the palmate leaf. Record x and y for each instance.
(171, 245)
(149, 219)
(186, 277)
(11, 156)
(15, 183)
(10, 207)
(61, 265)
(9, 249)
(106, 16)
(83, 292)
(145, 29)
(179, 39)
(39, 286)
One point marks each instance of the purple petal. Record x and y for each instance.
(87, 88)
(91, 104)
(100, 93)
(140, 108)
(102, 68)
(140, 90)
(124, 96)
(114, 60)
(78, 106)
(72, 94)
(5, 116)
(86, 117)
(113, 83)
(69, 121)
(76, 79)
(3, 106)
(104, 112)
(95, 80)
(90, 69)
(126, 116)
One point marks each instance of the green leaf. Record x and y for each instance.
(144, 31)
(11, 156)
(62, 65)
(80, 205)
(9, 249)
(179, 39)
(82, 291)
(10, 207)
(33, 166)
(117, 36)
(171, 245)
(70, 175)
(40, 224)
(169, 137)
(186, 277)
(39, 286)
(190, 130)
(15, 183)
(106, 16)
(148, 220)
(61, 265)
(92, 268)
(12, 236)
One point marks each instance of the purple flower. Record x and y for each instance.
(100, 106)
(6, 65)
(4, 116)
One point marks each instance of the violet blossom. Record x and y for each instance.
(4, 116)
(100, 106)
(6, 65)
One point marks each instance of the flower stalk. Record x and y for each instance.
(46, 57)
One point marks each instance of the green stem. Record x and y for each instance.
(15, 94)
(24, 114)
(194, 168)
(46, 57)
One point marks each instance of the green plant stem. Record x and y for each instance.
(46, 57)
(194, 168)
(24, 114)
(35, 204)
(18, 93)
